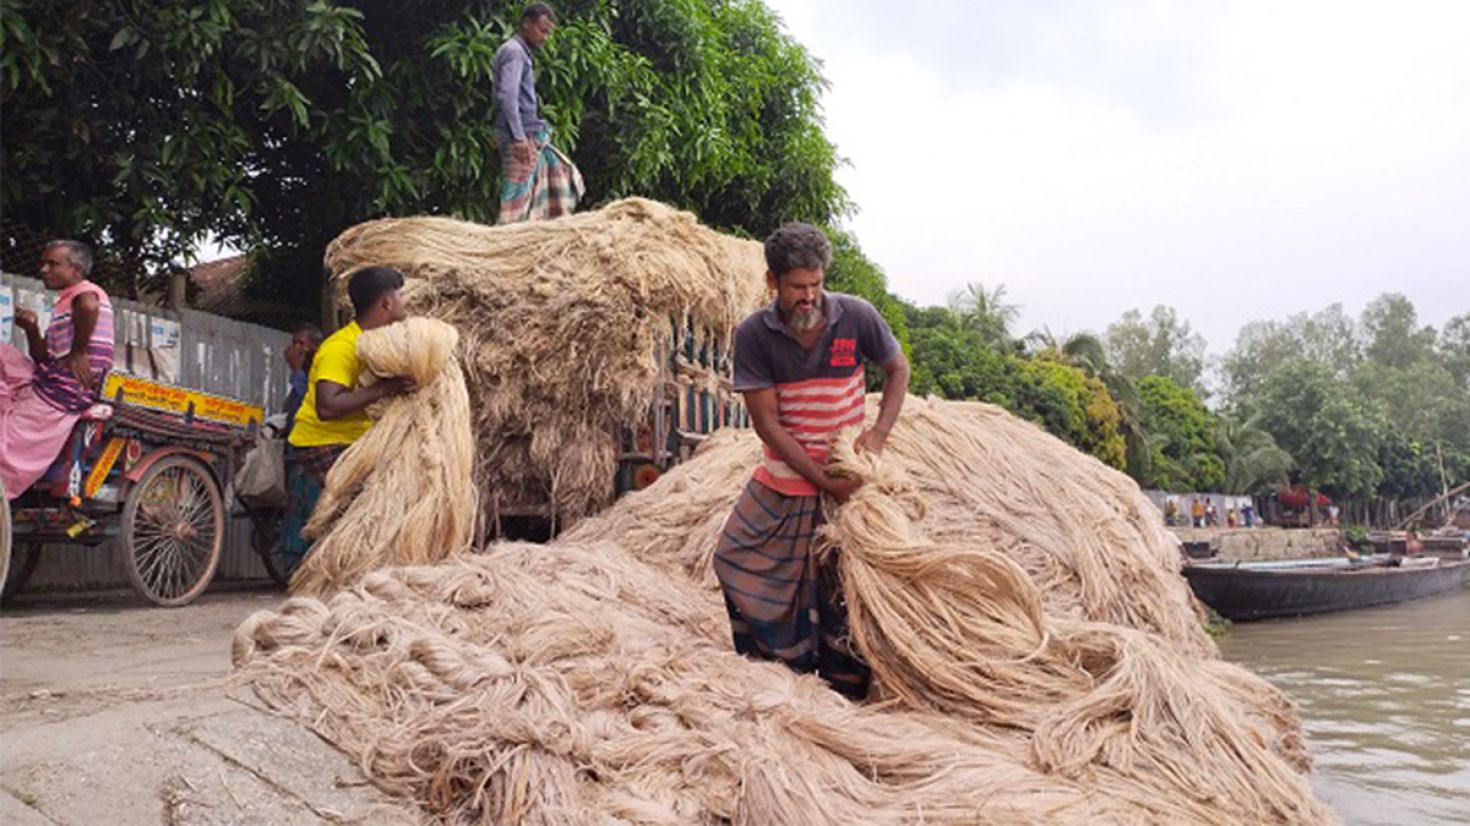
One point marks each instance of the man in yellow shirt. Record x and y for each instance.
(334, 413)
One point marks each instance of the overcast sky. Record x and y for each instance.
(1236, 160)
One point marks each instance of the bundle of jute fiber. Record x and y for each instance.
(403, 493)
(575, 684)
(568, 327)
(1083, 532)
(960, 630)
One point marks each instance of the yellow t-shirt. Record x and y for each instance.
(336, 362)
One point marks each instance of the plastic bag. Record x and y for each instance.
(261, 480)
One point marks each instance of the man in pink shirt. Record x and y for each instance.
(41, 397)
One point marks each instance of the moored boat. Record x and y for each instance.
(1288, 588)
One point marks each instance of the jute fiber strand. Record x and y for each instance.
(575, 684)
(403, 493)
(1020, 679)
(568, 327)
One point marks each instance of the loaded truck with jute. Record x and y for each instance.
(596, 348)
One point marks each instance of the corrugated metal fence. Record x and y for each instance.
(189, 348)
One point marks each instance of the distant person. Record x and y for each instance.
(1231, 519)
(1248, 515)
(1197, 512)
(1212, 515)
(1171, 511)
(302, 491)
(538, 181)
(305, 339)
(41, 397)
(334, 413)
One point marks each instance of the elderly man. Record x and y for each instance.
(800, 365)
(42, 397)
(334, 413)
(538, 181)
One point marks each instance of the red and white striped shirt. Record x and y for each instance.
(820, 390)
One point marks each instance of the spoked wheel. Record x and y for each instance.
(173, 531)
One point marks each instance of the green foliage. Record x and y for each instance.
(854, 273)
(1161, 345)
(1254, 464)
(1333, 435)
(1181, 438)
(1369, 408)
(952, 358)
(150, 125)
(988, 313)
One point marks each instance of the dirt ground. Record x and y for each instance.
(115, 712)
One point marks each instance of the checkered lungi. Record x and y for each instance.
(316, 461)
(548, 187)
(783, 604)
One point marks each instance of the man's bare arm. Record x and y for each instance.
(895, 390)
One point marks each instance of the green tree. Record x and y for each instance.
(1393, 335)
(853, 272)
(1330, 337)
(1254, 464)
(148, 125)
(1454, 349)
(1161, 345)
(988, 312)
(1181, 438)
(1332, 433)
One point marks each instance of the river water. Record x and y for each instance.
(1385, 697)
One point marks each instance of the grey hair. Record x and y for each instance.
(78, 253)
(797, 246)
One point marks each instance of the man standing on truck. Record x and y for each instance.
(334, 413)
(41, 397)
(800, 364)
(538, 181)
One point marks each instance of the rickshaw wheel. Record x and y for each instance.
(173, 531)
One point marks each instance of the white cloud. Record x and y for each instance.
(1256, 160)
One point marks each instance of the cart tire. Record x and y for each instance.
(22, 564)
(265, 538)
(173, 531)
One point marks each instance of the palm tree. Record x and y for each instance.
(1253, 461)
(988, 313)
(1087, 352)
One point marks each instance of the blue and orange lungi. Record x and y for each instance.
(548, 187)
(784, 603)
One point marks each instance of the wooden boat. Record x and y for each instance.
(1289, 588)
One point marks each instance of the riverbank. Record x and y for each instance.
(119, 713)
(1258, 544)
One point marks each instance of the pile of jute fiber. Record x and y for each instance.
(402, 494)
(567, 329)
(1037, 659)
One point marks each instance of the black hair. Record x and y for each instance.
(797, 246)
(536, 11)
(370, 284)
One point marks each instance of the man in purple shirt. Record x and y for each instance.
(538, 181)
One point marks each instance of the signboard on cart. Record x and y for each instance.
(170, 399)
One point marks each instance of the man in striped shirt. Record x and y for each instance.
(42, 397)
(800, 364)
